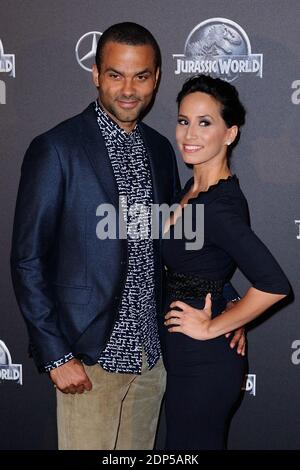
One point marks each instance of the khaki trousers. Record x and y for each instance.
(120, 412)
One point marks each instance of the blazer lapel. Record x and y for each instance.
(95, 148)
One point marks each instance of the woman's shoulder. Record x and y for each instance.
(224, 187)
(225, 193)
(227, 199)
(222, 190)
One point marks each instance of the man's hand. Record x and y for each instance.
(239, 337)
(71, 377)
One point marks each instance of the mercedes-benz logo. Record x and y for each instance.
(85, 49)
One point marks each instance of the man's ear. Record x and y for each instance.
(95, 74)
(157, 74)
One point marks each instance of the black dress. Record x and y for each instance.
(204, 378)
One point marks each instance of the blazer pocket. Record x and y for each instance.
(72, 294)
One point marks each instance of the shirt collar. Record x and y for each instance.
(113, 126)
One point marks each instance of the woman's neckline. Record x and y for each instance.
(211, 187)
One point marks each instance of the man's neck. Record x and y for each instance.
(126, 126)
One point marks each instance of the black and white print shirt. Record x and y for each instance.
(136, 327)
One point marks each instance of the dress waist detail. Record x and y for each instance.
(184, 286)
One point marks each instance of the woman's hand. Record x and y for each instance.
(239, 339)
(190, 321)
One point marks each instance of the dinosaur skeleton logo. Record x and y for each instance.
(8, 370)
(219, 47)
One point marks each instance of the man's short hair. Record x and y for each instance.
(131, 34)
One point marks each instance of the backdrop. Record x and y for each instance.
(46, 50)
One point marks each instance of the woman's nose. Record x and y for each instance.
(191, 132)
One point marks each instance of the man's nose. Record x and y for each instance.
(128, 87)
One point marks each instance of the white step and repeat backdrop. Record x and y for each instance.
(46, 51)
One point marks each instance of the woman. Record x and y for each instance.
(204, 375)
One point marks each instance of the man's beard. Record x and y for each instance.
(123, 115)
(127, 115)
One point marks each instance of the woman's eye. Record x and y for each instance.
(182, 122)
(204, 123)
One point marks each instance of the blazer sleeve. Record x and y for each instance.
(37, 216)
(230, 231)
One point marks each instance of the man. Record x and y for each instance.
(91, 305)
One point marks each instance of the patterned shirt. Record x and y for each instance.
(136, 327)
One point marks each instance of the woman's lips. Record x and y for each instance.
(191, 148)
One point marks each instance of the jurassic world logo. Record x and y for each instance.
(8, 370)
(221, 48)
(7, 62)
(7, 65)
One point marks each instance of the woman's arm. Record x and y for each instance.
(230, 231)
(251, 306)
(198, 324)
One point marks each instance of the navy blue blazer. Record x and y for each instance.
(67, 282)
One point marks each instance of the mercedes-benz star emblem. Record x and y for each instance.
(85, 49)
